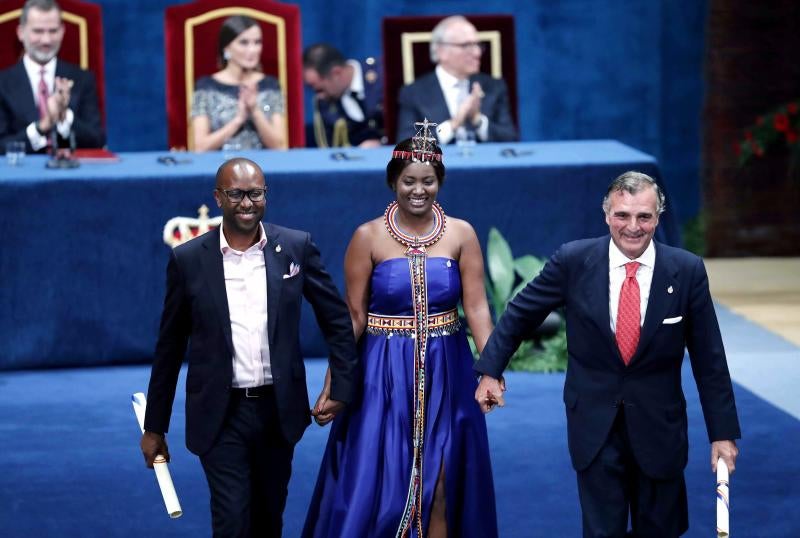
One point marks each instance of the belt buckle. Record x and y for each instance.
(247, 393)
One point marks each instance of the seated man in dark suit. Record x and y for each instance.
(348, 105)
(456, 95)
(40, 93)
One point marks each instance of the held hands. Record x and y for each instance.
(326, 409)
(490, 393)
(727, 451)
(153, 444)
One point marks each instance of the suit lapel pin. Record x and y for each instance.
(669, 289)
(278, 249)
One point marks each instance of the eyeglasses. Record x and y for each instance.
(466, 45)
(237, 195)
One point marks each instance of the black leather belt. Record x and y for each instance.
(252, 392)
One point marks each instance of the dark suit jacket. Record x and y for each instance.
(18, 106)
(424, 99)
(597, 381)
(196, 313)
(327, 113)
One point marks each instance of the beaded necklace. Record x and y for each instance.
(415, 244)
(416, 250)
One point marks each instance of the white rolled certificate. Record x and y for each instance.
(723, 500)
(159, 464)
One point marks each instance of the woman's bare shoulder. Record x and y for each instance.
(460, 228)
(367, 233)
(369, 228)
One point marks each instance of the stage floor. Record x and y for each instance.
(71, 465)
(765, 291)
(761, 324)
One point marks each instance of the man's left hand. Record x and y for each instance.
(727, 451)
(63, 87)
(475, 98)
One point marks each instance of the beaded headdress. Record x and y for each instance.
(424, 144)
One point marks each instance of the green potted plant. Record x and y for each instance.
(545, 349)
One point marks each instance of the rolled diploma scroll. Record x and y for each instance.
(159, 464)
(723, 500)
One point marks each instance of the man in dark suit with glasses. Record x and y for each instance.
(456, 95)
(234, 298)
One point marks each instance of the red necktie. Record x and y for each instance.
(628, 314)
(44, 93)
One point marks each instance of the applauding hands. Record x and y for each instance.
(57, 104)
(469, 113)
(248, 102)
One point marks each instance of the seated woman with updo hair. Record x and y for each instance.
(238, 107)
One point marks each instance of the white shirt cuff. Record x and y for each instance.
(64, 127)
(482, 129)
(445, 132)
(38, 141)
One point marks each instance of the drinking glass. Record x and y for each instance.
(15, 152)
(465, 141)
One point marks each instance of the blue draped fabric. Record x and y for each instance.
(82, 256)
(364, 477)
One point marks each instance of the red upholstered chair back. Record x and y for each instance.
(82, 45)
(406, 56)
(191, 33)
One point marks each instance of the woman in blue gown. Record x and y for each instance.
(410, 456)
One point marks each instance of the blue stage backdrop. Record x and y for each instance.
(588, 69)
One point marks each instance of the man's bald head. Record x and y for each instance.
(238, 168)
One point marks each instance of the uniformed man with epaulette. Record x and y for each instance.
(348, 100)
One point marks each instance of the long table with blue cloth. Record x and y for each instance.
(83, 259)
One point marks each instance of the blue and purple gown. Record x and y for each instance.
(363, 482)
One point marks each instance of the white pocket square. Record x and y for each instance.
(294, 270)
(671, 321)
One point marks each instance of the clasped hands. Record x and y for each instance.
(57, 104)
(326, 409)
(248, 101)
(489, 393)
(470, 109)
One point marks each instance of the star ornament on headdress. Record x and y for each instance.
(424, 144)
